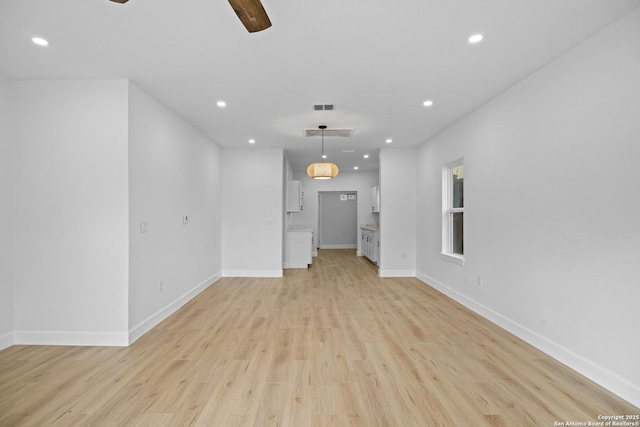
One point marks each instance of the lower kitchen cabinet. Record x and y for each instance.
(298, 248)
(370, 243)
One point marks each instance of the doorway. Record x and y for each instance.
(337, 220)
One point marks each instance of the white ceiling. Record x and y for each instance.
(376, 60)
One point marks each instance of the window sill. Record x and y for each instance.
(456, 259)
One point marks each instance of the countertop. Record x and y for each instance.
(300, 229)
(373, 227)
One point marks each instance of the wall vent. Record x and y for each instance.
(324, 107)
(328, 132)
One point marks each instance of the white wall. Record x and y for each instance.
(252, 212)
(174, 171)
(339, 220)
(361, 182)
(551, 209)
(6, 218)
(397, 212)
(71, 212)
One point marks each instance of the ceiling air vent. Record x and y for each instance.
(329, 132)
(324, 107)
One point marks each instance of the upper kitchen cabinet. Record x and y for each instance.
(294, 196)
(375, 198)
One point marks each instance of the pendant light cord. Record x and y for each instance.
(322, 128)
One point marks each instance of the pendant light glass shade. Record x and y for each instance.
(322, 170)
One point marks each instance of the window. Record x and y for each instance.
(453, 212)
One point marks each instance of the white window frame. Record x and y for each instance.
(447, 211)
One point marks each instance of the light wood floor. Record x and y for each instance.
(331, 346)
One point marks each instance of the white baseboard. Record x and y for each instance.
(296, 266)
(150, 322)
(396, 273)
(338, 246)
(7, 340)
(252, 273)
(72, 338)
(98, 338)
(607, 379)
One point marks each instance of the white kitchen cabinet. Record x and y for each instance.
(298, 248)
(370, 243)
(375, 198)
(294, 196)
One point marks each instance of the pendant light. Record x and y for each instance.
(322, 169)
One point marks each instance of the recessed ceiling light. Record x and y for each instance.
(428, 103)
(389, 141)
(252, 141)
(476, 38)
(324, 156)
(221, 104)
(355, 168)
(366, 156)
(39, 41)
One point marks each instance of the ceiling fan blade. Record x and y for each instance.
(252, 14)
(120, 1)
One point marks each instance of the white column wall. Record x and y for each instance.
(252, 212)
(70, 211)
(397, 212)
